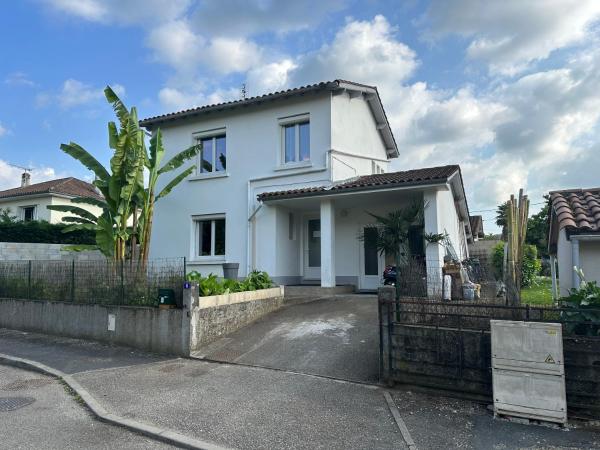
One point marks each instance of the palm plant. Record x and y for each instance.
(391, 236)
(123, 185)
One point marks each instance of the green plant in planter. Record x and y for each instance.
(211, 285)
(585, 305)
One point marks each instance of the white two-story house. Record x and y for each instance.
(285, 183)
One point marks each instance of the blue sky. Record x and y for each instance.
(508, 89)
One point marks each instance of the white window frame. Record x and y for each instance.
(195, 238)
(208, 134)
(23, 208)
(283, 123)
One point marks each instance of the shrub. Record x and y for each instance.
(211, 285)
(585, 303)
(42, 232)
(531, 264)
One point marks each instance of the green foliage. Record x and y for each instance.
(537, 229)
(6, 216)
(122, 184)
(211, 285)
(498, 259)
(42, 232)
(531, 264)
(538, 293)
(585, 305)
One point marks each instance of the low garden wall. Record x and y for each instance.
(219, 315)
(171, 331)
(145, 328)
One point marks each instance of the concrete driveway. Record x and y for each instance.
(335, 336)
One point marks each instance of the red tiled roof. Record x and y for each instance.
(66, 186)
(429, 175)
(577, 209)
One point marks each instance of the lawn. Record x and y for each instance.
(539, 293)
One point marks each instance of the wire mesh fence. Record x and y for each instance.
(92, 282)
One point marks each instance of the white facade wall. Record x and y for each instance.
(589, 259)
(344, 143)
(565, 263)
(254, 145)
(41, 203)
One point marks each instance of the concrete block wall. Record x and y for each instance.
(172, 331)
(18, 251)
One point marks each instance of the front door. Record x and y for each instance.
(312, 249)
(370, 261)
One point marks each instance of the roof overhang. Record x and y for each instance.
(369, 93)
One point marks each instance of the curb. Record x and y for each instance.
(151, 431)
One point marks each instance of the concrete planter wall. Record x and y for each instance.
(172, 331)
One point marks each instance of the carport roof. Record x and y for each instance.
(416, 177)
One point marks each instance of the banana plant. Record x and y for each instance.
(148, 195)
(122, 184)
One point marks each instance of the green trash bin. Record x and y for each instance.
(166, 298)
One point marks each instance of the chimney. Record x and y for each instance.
(25, 179)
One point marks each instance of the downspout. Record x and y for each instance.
(553, 272)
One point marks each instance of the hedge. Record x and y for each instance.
(41, 232)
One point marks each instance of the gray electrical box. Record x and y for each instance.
(528, 370)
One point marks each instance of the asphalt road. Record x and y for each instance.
(52, 418)
(336, 336)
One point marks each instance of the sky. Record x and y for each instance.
(510, 90)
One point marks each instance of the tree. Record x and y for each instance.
(392, 234)
(501, 214)
(122, 185)
(537, 229)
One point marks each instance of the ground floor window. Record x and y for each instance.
(28, 213)
(210, 235)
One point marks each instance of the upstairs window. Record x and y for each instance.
(296, 141)
(213, 156)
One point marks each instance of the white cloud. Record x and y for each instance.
(10, 176)
(75, 93)
(363, 51)
(509, 35)
(3, 130)
(176, 99)
(122, 12)
(19, 79)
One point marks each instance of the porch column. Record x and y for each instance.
(575, 261)
(327, 244)
(434, 253)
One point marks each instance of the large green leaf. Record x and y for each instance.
(175, 181)
(80, 226)
(81, 155)
(90, 201)
(73, 219)
(74, 210)
(180, 158)
(118, 106)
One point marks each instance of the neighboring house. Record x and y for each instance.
(476, 227)
(285, 182)
(30, 201)
(574, 236)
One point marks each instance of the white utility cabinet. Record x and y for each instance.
(528, 370)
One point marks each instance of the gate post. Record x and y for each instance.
(385, 298)
(188, 326)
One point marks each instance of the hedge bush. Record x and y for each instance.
(42, 232)
(531, 264)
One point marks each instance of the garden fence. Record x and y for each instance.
(92, 282)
